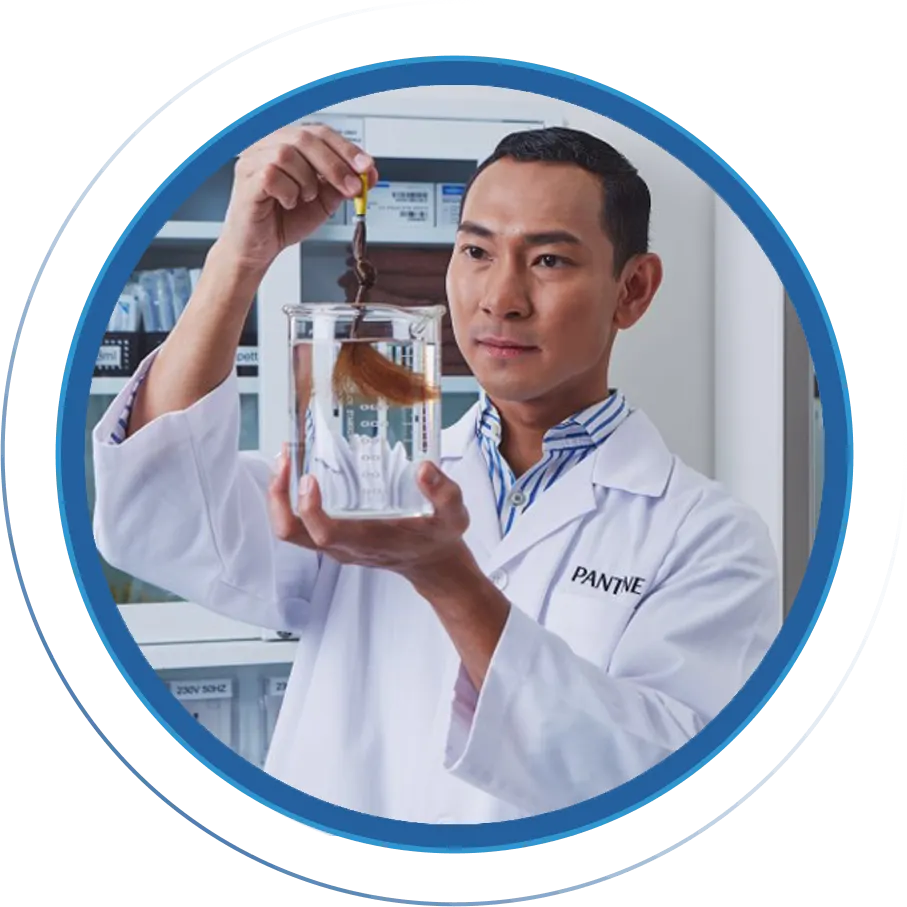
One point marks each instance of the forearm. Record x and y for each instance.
(200, 352)
(471, 609)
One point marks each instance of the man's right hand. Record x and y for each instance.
(287, 185)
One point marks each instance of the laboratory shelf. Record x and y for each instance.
(450, 384)
(107, 386)
(220, 654)
(208, 231)
(191, 230)
(112, 386)
(396, 236)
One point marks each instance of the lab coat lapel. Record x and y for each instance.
(569, 499)
(464, 463)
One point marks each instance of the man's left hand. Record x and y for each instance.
(414, 547)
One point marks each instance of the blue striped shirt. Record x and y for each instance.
(118, 435)
(563, 446)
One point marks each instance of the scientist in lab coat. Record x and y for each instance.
(581, 603)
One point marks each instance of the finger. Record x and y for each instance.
(260, 170)
(284, 522)
(277, 184)
(337, 161)
(359, 159)
(329, 198)
(320, 527)
(290, 160)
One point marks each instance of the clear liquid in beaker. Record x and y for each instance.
(361, 447)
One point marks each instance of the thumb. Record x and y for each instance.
(444, 494)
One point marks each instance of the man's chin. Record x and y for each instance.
(511, 388)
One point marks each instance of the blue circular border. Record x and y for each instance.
(455, 71)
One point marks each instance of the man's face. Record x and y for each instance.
(531, 283)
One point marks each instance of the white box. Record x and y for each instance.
(448, 199)
(272, 699)
(210, 702)
(401, 205)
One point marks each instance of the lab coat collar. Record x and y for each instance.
(634, 458)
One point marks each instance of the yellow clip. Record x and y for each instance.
(360, 202)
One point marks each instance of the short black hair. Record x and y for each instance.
(627, 203)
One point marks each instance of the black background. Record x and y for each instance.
(77, 817)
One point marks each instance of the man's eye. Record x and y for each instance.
(551, 261)
(475, 252)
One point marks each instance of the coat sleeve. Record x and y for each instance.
(550, 729)
(178, 505)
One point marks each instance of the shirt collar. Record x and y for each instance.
(636, 460)
(587, 428)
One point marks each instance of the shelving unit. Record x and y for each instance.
(181, 231)
(179, 639)
(400, 236)
(224, 653)
(112, 386)
(189, 231)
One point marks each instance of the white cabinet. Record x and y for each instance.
(182, 641)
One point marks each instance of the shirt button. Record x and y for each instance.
(499, 578)
(517, 498)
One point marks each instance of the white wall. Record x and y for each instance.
(666, 363)
(749, 372)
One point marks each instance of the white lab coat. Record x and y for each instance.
(593, 680)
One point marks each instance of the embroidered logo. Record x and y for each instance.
(608, 583)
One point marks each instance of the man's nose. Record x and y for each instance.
(506, 295)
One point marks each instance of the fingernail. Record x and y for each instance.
(305, 486)
(362, 162)
(352, 185)
(432, 476)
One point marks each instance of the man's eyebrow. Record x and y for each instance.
(545, 238)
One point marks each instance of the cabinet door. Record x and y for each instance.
(411, 137)
(444, 139)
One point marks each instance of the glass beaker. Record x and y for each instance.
(365, 405)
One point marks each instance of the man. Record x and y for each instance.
(580, 604)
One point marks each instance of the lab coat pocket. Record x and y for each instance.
(590, 625)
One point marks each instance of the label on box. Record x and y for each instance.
(110, 356)
(401, 204)
(351, 128)
(448, 199)
(276, 686)
(247, 356)
(202, 689)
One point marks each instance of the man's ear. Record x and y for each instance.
(639, 282)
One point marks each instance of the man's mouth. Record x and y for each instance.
(504, 347)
